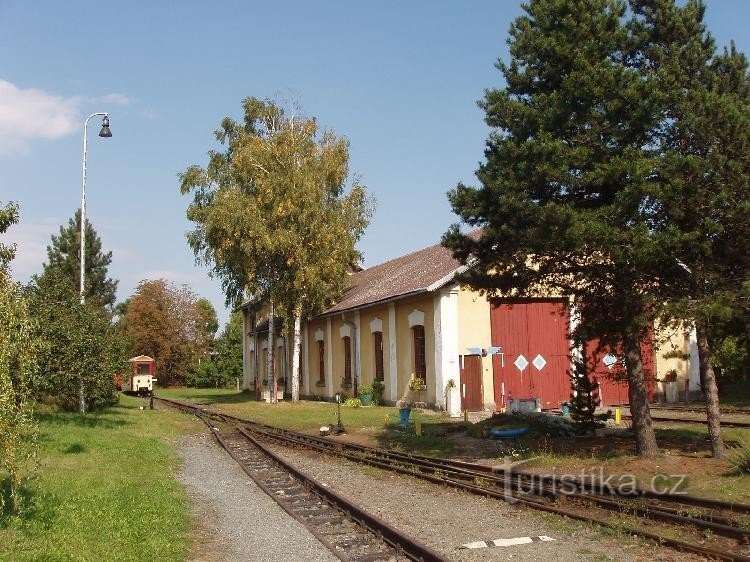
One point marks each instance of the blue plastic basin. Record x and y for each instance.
(514, 433)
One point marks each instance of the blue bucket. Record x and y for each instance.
(404, 415)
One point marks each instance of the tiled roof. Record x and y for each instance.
(413, 273)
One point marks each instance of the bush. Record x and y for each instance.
(739, 456)
(353, 403)
(207, 375)
(366, 389)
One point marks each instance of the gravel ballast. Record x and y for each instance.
(444, 518)
(234, 520)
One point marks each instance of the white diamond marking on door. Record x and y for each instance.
(521, 363)
(609, 360)
(539, 362)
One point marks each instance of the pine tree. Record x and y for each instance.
(63, 257)
(583, 398)
(700, 185)
(561, 197)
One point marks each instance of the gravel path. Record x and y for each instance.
(234, 520)
(444, 519)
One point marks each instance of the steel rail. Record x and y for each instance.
(718, 525)
(401, 543)
(310, 441)
(580, 484)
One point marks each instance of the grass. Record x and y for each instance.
(376, 424)
(105, 489)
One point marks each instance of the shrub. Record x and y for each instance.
(739, 456)
(366, 389)
(353, 403)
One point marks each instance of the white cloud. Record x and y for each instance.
(30, 114)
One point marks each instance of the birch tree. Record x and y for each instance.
(277, 215)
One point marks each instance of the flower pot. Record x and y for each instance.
(404, 415)
(366, 399)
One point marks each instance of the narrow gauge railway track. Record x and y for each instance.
(728, 410)
(667, 419)
(349, 532)
(691, 514)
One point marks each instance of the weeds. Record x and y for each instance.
(739, 456)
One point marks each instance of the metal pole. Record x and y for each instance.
(83, 209)
(81, 397)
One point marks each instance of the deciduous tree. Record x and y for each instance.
(19, 346)
(83, 348)
(170, 324)
(273, 217)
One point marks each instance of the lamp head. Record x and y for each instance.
(105, 132)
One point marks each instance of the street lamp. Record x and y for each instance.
(106, 133)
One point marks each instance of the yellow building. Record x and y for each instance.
(399, 321)
(408, 321)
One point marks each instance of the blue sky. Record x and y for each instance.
(399, 79)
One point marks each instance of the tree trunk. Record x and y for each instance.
(710, 390)
(296, 346)
(270, 373)
(645, 439)
(81, 398)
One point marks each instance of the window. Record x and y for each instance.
(347, 359)
(322, 357)
(420, 368)
(378, 355)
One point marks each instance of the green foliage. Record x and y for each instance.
(83, 349)
(731, 357)
(366, 389)
(583, 398)
(172, 325)
(273, 217)
(229, 349)
(207, 375)
(19, 347)
(63, 263)
(353, 403)
(739, 456)
(8, 217)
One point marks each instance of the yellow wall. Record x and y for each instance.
(668, 340)
(405, 347)
(313, 373)
(368, 344)
(474, 331)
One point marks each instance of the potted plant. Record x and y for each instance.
(366, 393)
(404, 410)
(416, 384)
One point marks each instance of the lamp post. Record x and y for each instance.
(106, 133)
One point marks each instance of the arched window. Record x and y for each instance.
(420, 367)
(347, 359)
(378, 355)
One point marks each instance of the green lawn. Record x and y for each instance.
(105, 489)
(375, 423)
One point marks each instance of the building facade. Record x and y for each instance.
(409, 319)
